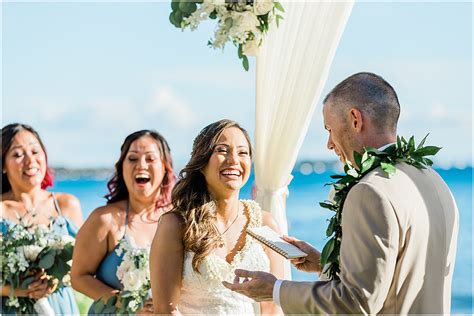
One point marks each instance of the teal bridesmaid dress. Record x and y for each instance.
(62, 301)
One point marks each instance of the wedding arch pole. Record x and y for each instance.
(292, 67)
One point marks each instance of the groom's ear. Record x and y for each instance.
(356, 120)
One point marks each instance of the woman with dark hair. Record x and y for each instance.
(139, 193)
(203, 240)
(25, 177)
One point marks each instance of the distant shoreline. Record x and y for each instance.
(305, 167)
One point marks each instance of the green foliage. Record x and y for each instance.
(189, 14)
(279, 7)
(187, 7)
(402, 152)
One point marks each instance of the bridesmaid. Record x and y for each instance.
(25, 176)
(139, 193)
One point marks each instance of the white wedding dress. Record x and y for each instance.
(203, 293)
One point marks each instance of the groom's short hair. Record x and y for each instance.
(370, 94)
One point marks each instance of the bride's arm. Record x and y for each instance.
(166, 265)
(277, 265)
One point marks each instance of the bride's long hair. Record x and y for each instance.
(191, 198)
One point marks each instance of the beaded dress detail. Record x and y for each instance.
(203, 293)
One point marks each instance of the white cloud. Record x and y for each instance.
(36, 109)
(175, 109)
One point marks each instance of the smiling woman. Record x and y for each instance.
(139, 193)
(25, 201)
(203, 240)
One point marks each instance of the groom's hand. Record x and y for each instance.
(256, 284)
(310, 263)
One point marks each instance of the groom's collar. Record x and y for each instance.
(385, 146)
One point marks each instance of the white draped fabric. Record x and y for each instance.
(292, 68)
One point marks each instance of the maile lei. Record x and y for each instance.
(403, 151)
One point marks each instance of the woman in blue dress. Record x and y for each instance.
(139, 193)
(25, 176)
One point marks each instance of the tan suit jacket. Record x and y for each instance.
(397, 251)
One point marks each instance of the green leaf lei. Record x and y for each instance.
(402, 151)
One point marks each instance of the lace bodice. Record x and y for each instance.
(204, 293)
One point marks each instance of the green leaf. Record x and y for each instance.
(411, 143)
(278, 19)
(422, 141)
(329, 205)
(327, 250)
(279, 7)
(331, 226)
(172, 20)
(367, 164)
(239, 51)
(174, 5)
(427, 151)
(428, 162)
(358, 160)
(178, 17)
(245, 63)
(365, 156)
(336, 176)
(110, 310)
(46, 261)
(389, 169)
(390, 150)
(399, 142)
(187, 6)
(59, 269)
(213, 15)
(334, 256)
(112, 301)
(126, 294)
(98, 306)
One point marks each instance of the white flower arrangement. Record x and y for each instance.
(242, 22)
(134, 274)
(27, 250)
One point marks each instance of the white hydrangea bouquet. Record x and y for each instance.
(27, 251)
(134, 275)
(243, 22)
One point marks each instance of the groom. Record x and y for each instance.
(399, 234)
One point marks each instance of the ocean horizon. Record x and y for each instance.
(308, 221)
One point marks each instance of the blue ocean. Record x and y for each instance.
(307, 220)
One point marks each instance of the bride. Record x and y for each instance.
(203, 240)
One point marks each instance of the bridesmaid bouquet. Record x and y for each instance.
(134, 274)
(242, 22)
(27, 251)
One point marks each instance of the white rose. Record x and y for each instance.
(261, 7)
(244, 21)
(250, 48)
(132, 281)
(132, 305)
(31, 252)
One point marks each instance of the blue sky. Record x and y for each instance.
(87, 74)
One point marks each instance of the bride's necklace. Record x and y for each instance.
(230, 225)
